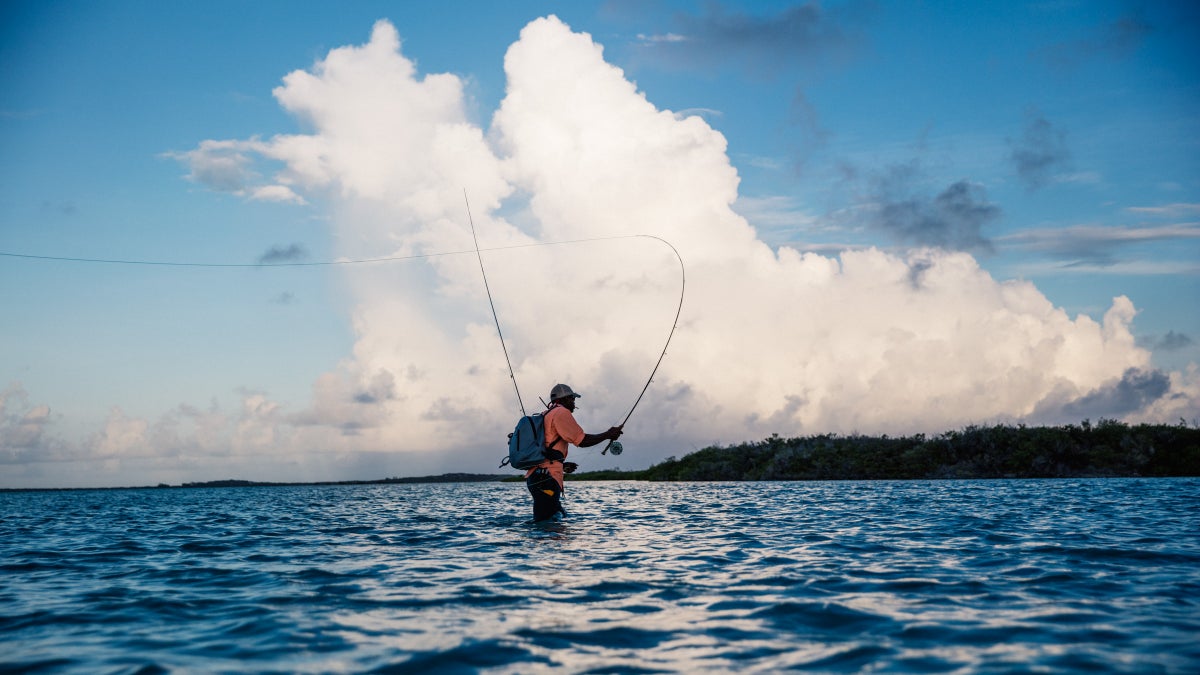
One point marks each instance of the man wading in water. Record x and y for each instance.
(545, 481)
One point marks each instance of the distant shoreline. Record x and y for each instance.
(235, 483)
(1107, 449)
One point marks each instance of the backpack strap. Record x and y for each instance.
(552, 454)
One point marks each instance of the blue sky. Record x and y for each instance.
(1052, 144)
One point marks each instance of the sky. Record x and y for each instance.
(893, 218)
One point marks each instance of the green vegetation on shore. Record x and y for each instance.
(1106, 449)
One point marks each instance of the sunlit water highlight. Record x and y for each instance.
(950, 576)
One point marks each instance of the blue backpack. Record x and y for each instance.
(527, 443)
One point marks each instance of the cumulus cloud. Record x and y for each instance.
(229, 166)
(24, 428)
(1178, 404)
(1133, 392)
(255, 439)
(224, 166)
(122, 435)
(770, 339)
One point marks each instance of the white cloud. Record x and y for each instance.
(666, 37)
(23, 427)
(276, 193)
(1178, 404)
(122, 435)
(1096, 246)
(1176, 210)
(769, 341)
(1078, 178)
(224, 166)
(229, 166)
(783, 342)
(775, 212)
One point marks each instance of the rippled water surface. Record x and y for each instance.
(950, 576)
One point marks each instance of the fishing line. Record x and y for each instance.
(613, 445)
(321, 263)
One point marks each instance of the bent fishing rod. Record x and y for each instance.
(614, 446)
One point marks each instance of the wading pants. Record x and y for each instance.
(547, 495)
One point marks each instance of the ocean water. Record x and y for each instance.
(922, 577)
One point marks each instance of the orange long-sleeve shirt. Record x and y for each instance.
(561, 431)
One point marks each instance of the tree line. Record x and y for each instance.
(1108, 448)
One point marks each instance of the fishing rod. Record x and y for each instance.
(615, 446)
(499, 332)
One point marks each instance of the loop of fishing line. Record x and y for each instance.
(613, 445)
(320, 263)
(416, 256)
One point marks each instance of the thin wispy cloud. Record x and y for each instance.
(1171, 341)
(780, 220)
(1116, 39)
(953, 219)
(654, 39)
(232, 166)
(800, 35)
(20, 115)
(706, 113)
(283, 254)
(1039, 152)
(1078, 178)
(1177, 210)
(275, 193)
(64, 208)
(1096, 245)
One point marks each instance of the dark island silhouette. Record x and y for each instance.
(1106, 449)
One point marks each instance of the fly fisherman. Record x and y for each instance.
(545, 481)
